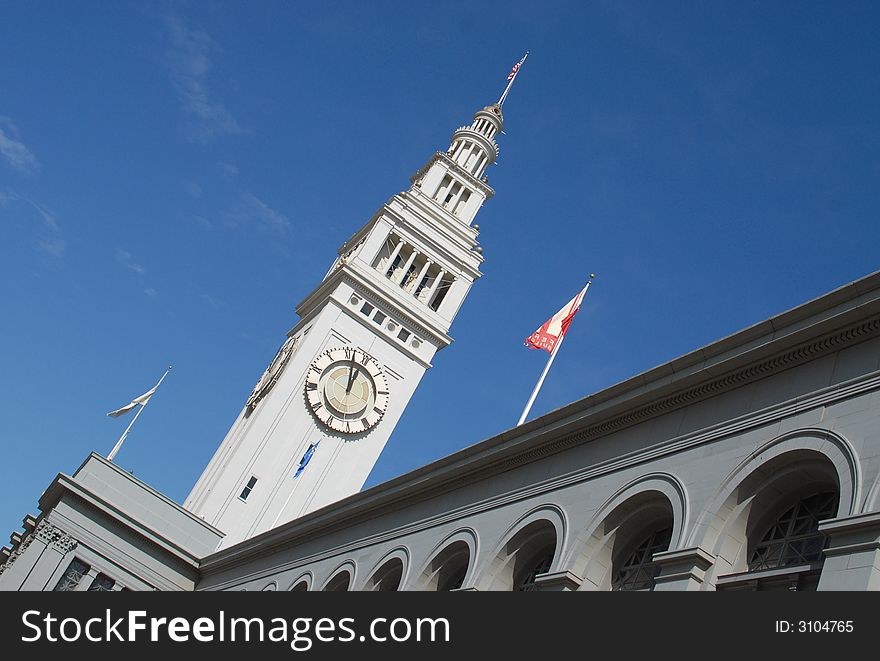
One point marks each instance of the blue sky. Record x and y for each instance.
(176, 177)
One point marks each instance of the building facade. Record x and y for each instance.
(752, 463)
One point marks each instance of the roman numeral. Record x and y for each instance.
(377, 410)
(349, 353)
(317, 406)
(382, 392)
(365, 423)
(311, 385)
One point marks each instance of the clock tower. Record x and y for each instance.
(321, 414)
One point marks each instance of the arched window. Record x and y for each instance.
(388, 577)
(785, 546)
(340, 583)
(454, 580)
(525, 582)
(638, 570)
(301, 586)
(448, 569)
(794, 537)
(524, 556)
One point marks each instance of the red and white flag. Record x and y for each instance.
(516, 67)
(551, 332)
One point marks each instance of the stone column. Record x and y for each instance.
(852, 558)
(36, 559)
(683, 569)
(560, 581)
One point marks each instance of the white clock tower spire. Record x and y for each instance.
(368, 332)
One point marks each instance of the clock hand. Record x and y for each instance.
(350, 378)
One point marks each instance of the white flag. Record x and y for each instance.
(143, 399)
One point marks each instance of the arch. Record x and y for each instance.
(341, 579)
(782, 471)
(872, 500)
(649, 504)
(442, 570)
(390, 573)
(536, 537)
(270, 587)
(303, 583)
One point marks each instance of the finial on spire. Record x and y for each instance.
(511, 77)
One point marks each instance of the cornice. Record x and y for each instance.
(733, 379)
(66, 484)
(345, 273)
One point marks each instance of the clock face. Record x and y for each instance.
(272, 373)
(347, 390)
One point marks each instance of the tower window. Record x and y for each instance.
(248, 488)
(409, 277)
(379, 318)
(444, 185)
(403, 335)
(367, 309)
(422, 285)
(442, 290)
(451, 195)
(393, 266)
(459, 206)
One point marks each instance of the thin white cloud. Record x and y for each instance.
(49, 238)
(188, 61)
(228, 170)
(251, 211)
(15, 152)
(191, 187)
(125, 259)
(212, 301)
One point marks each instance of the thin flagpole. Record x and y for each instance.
(292, 491)
(131, 424)
(510, 82)
(531, 401)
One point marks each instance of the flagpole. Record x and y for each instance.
(131, 424)
(531, 401)
(290, 495)
(510, 83)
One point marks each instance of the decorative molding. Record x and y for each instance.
(46, 533)
(391, 308)
(455, 167)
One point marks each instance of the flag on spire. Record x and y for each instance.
(511, 77)
(143, 399)
(552, 330)
(517, 66)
